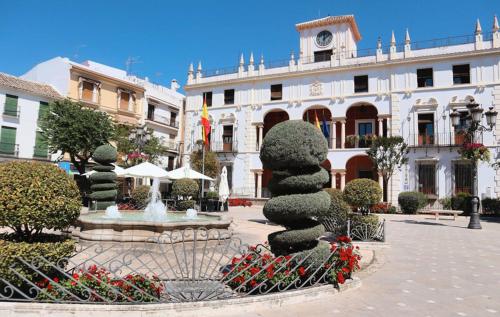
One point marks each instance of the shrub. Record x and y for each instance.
(105, 154)
(411, 202)
(462, 201)
(293, 150)
(185, 188)
(212, 195)
(105, 196)
(53, 248)
(339, 209)
(446, 203)
(36, 196)
(358, 219)
(185, 204)
(362, 193)
(491, 206)
(140, 196)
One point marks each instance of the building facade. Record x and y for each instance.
(125, 98)
(406, 89)
(22, 102)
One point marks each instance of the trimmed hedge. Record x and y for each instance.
(103, 168)
(491, 206)
(362, 193)
(36, 196)
(339, 208)
(411, 202)
(104, 178)
(103, 186)
(293, 151)
(140, 196)
(185, 204)
(358, 219)
(185, 187)
(104, 195)
(53, 248)
(105, 154)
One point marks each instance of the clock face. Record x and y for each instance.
(324, 38)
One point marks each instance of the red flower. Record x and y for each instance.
(302, 271)
(254, 270)
(253, 283)
(344, 239)
(56, 280)
(340, 278)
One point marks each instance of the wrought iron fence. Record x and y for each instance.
(178, 266)
(357, 231)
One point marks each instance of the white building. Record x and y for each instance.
(21, 104)
(406, 89)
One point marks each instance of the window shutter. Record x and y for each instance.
(42, 110)
(41, 148)
(10, 105)
(8, 140)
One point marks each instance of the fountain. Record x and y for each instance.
(191, 214)
(112, 212)
(155, 210)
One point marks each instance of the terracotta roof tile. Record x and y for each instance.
(28, 86)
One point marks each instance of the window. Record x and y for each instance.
(425, 128)
(425, 77)
(151, 112)
(361, 83)
(461, 129)
(463, 177)
(87, 91)
(229, 96)
(124, 100)
(461, 74)
(276, 92)
(207, 97)
(8, 141)
(227, 138)
(41, 148)
(171, 161)
(10, 108)
(43, 109)
(365, 130)
(322, 56)
(365, 174)
(427, 179)
(173, 117)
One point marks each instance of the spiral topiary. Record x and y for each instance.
(293, 150)
(104, 179)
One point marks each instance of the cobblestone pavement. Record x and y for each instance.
(432, 268)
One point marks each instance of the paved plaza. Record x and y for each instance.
(431, 268)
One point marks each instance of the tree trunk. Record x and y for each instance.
(385, 181)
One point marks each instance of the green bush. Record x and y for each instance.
(411, 202)
(339, 208)
(105, 154)
(446, 202)
(140, 196)
(53, 248)
(36, 196)
(362, 193)
(212, 195)
(358, 219)
(462, 201)
(185, 188)
(293, 151)
(491, 206)
(185, 204)
(103, 177)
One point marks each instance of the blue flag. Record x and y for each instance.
(325, 128)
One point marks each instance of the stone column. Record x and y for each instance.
(342, 134)
(259, 184)
(342, 179)
(380, 126)
(334, 135)
(333, 174)
(261, 132)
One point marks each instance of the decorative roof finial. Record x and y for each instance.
(379, 42)
(262, 59)
(191, 68)
(407, 37)
(478, 27)
(495, 24)
(242, 60)
(393, 39)
(292, 56)
(251, 58)
(199, 66)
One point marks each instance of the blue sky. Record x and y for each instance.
(165, 36)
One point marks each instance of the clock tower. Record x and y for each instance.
(333, 35)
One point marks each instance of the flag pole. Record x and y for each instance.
(203, 172)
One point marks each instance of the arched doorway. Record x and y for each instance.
(361, 124)
(324, 118)
(271, 119)
(360, 166)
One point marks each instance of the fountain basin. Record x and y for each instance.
(131, 227)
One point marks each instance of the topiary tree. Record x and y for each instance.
(104, 180)
(411, 202)
(140, 196)
(185, 187)
(362, 193)
(339, 208)
(36, 196)
(293, 150)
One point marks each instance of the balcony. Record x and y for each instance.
(171, 146)
(228, 146)
(9, 149)
(447, 139)
(41, 152)
(164, 121)
(11, 113)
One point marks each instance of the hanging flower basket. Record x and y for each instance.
(475, 152)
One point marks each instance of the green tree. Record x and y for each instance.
(153, 148)
(72, 128)
(387, 154)
(212, 164)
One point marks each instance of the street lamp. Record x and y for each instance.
(472, 126)
(140, 136)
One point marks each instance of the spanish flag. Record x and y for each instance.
(316, 121)
(205, 123)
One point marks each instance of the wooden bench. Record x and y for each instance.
(437, 212)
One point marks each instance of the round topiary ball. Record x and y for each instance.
(36, 196)
(362, 193)
(293, 144)
(185, 187)
(339, 208)
(105, 154)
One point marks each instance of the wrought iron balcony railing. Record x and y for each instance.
(422, 140)
(11, 113)
(41, 152)
(230, 146)
(164, 120)
(9, 149)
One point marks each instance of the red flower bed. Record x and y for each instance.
(239, 202)
(259, 269)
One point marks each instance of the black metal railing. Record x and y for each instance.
(10, 149)
(439, 139)
(163, 120)
(11, 113)
(41, 152)
(222, 146)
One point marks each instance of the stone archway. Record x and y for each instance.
(360, 166)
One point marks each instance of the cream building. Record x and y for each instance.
(401, 88)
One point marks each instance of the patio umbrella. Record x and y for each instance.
(223, 186)
(146, 169)
(119, 171)
(187, 172)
